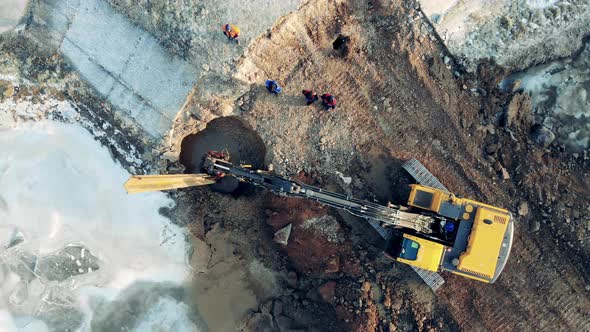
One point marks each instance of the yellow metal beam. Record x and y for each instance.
(145, 183)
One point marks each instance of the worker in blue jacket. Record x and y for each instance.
(273, 87)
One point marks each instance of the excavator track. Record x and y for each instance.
(423, 176)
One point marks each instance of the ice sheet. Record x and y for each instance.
(59, 188)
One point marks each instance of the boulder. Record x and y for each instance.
(520, 110)
(327, 291)
(523, 209)
(332, 265)
(283, 234)
(542, 135)
(535, 226)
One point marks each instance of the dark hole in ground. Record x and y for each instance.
(340, 44)
(238, 138)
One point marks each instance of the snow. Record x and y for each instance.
(10, 13)
(515, 33)
(61, 189)
(166, 315)
(559, 95)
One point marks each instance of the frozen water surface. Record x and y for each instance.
(72, 240)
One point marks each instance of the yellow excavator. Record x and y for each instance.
(436, 231)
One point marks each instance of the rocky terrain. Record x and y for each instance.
(403, 91)
(514, 33)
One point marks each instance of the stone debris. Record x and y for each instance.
(327, 226)
(505, 174)
(327, 291)
(523, 209)
(542, 135)
(282, 235)
(332, 265)
(535, 226)
(366, 286)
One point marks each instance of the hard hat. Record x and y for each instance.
(449, 227)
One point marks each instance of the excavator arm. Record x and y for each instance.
(384, 215)
(145, 183)
(387, 216)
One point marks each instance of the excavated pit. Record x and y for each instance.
(228, 133)
(341, 44)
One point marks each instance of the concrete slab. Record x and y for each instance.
(120, 60)
(163, 80)
(103, 82)
(104, 35)
(153, 122)
(129, 101)
(11, 12)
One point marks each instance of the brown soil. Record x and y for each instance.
(397, 99)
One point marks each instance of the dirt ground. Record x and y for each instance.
(398, 99)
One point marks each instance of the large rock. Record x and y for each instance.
(327, 291)
(283, 234)
(542, 135)
(523, 209)
(520, 110)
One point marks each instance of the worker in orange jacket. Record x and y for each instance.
(232, 32)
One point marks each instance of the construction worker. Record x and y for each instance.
(310, 96)
(217, 154)
(219, 175)
(232, 32)
(273, 87)
(328, 101)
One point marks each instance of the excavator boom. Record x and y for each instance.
(145, 183)
(387, 216)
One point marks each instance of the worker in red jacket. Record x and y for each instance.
(310, 97)
(328, 101)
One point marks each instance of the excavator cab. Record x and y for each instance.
(478, 236)
(416, 251)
